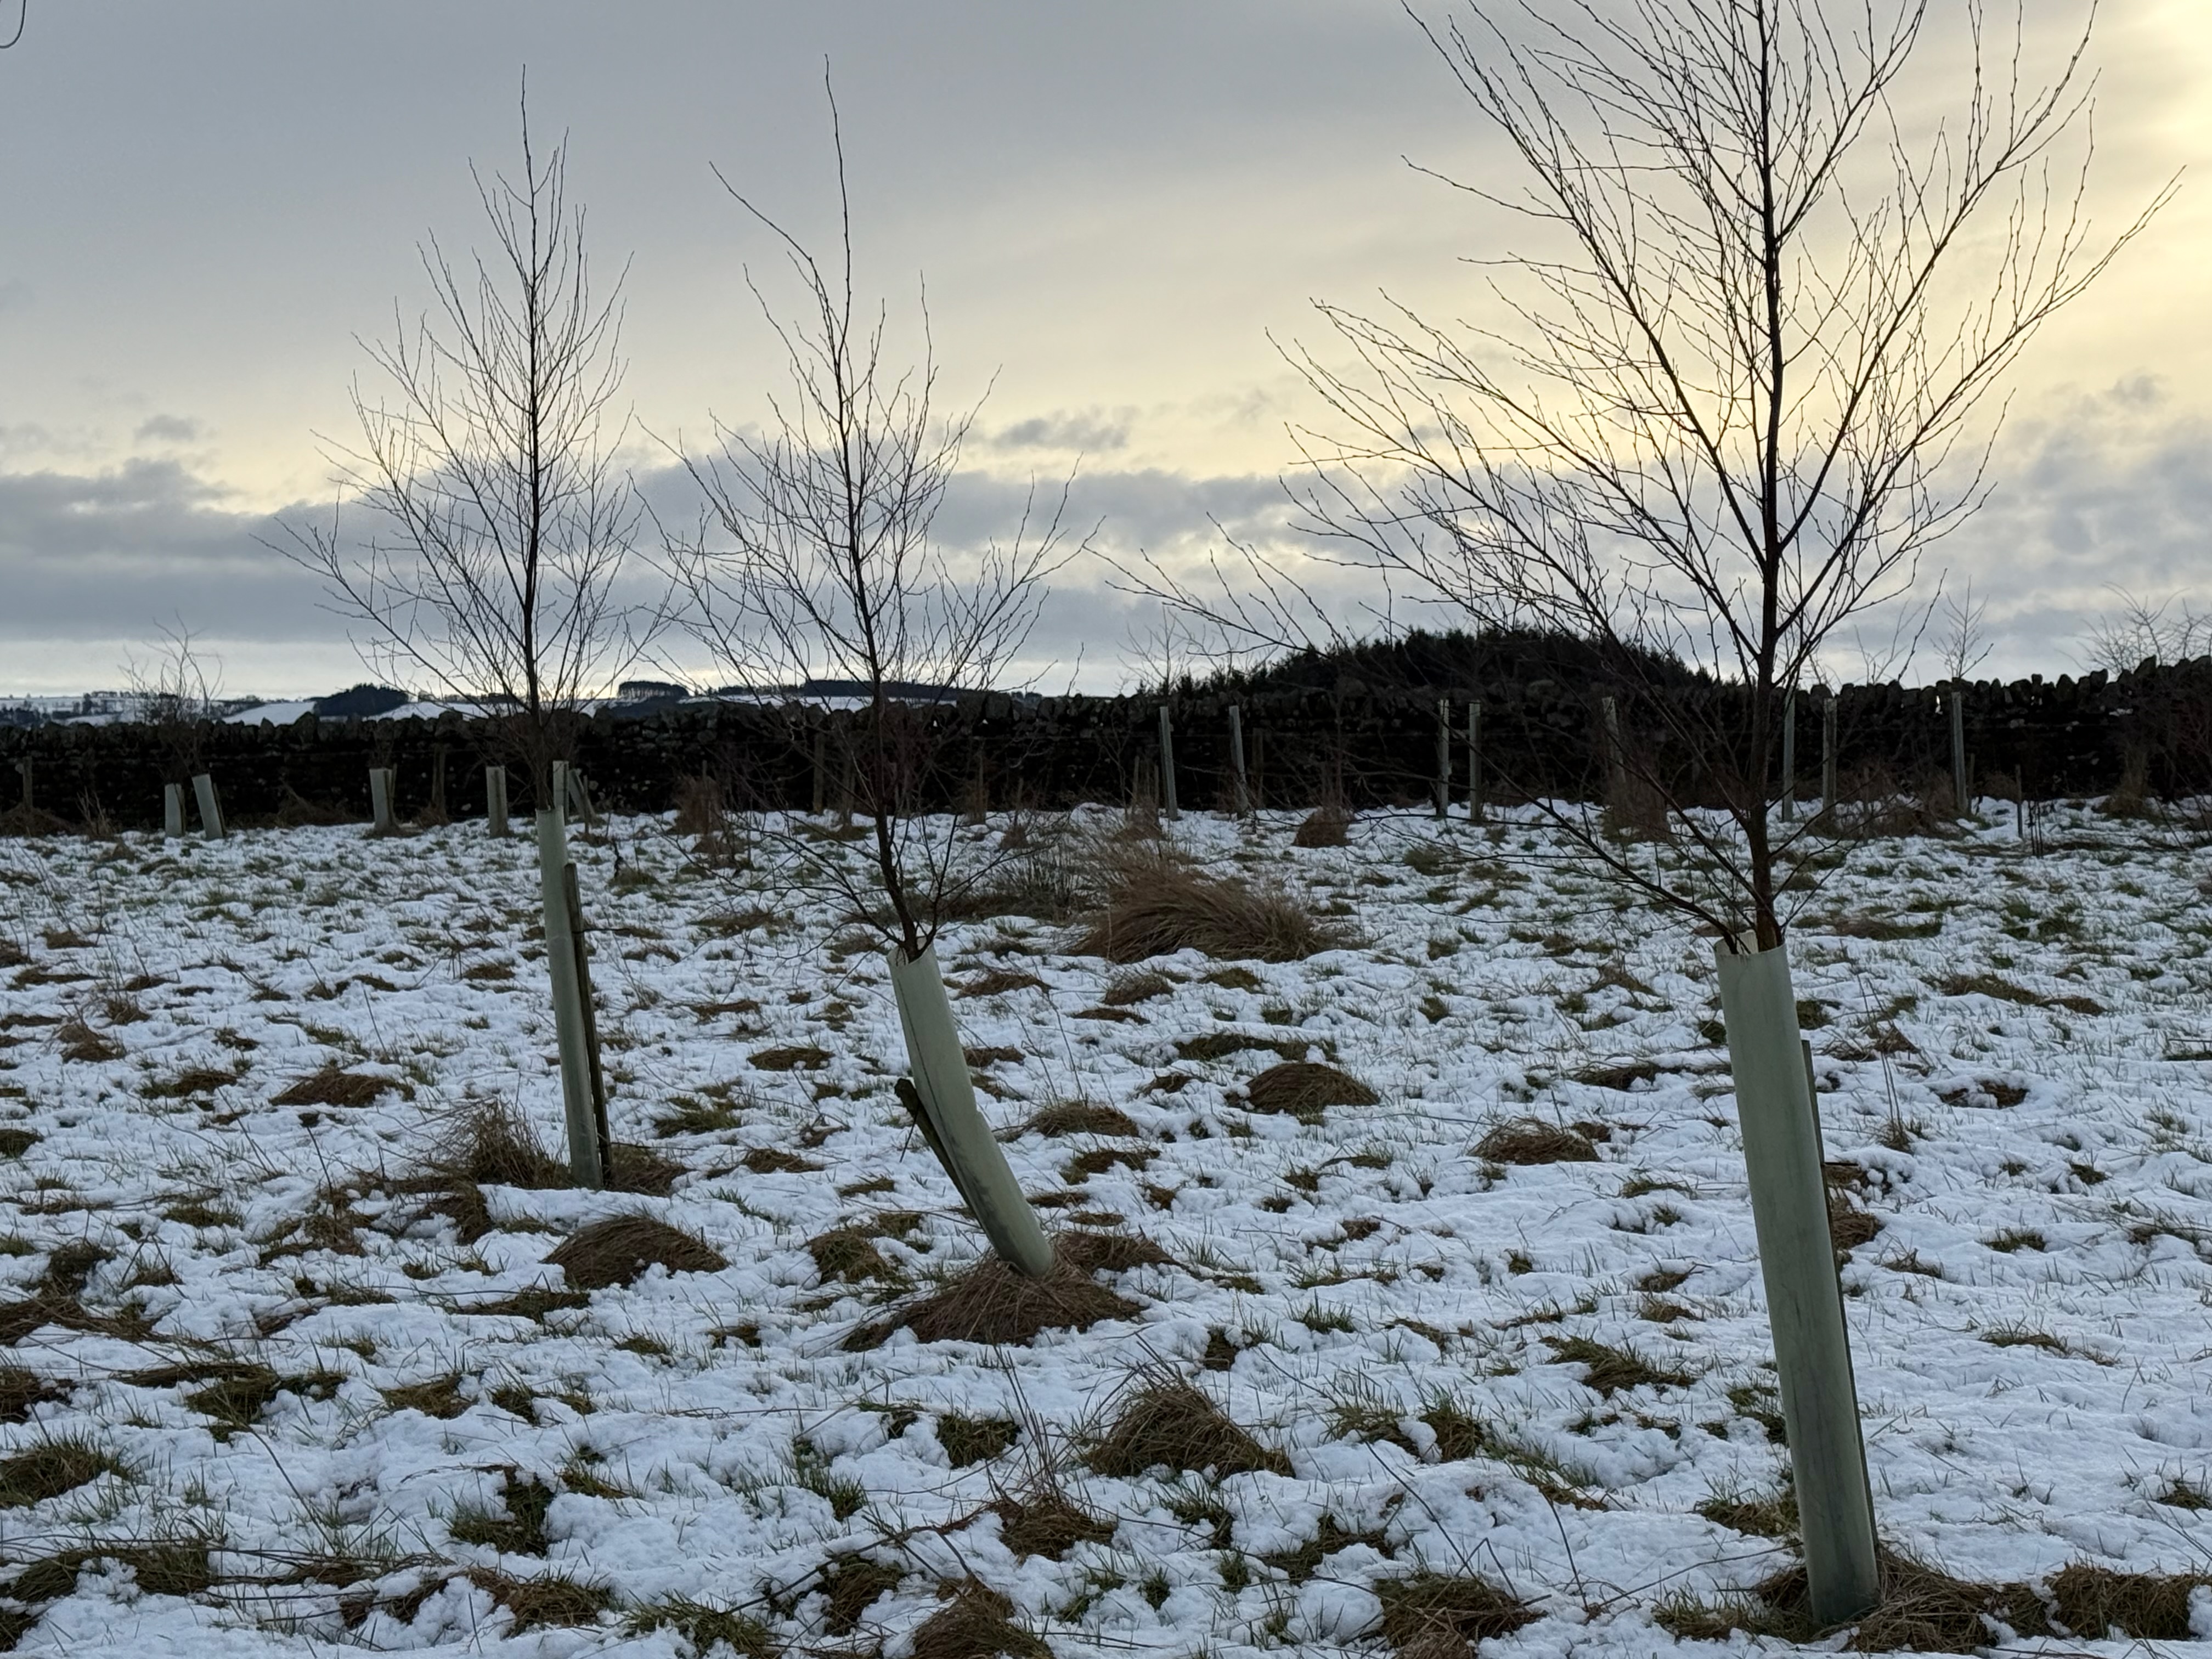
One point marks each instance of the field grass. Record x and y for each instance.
(1407, 1297)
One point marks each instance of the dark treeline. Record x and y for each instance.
(1359, 729)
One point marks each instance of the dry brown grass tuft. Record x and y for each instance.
(619, 1250)
(492, 1144)
(1325, 826)
(994, 1304)
(1609, 1369)
(707, 1627)
(634, 1169)
(162, 1566)
(25, 821)
(802, 1057)
(1922, 1610)
(1773, 1516)
(1304, 1089)
(1158, 903)
(333, 1085)
(1093, 1252)
(1044, 1520)
(517, 1525)
(79, 1042)
(1079, 1117)
(774, 1160)
(1925, 1610)
(1140, 985)
(849, 1255)
(1001, 981)
(852, 1584)
(50, 1468)
(553, 1599)
(298, 812)
(1435, 1616)
(1528, 1141)
(23, 1391)
(1165, 1423)
(2147, 1606)
(1849, 1226)
(975, 1623)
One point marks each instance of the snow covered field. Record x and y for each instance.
(291, 1374)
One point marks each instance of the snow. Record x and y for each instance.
(2029, 1323)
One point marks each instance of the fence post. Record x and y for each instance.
(1168, 766)
(1780, 1117)
(945, 1095)
(1616, 758)
(1957, 699)
(585, 1165)
(1443, 758)
(496, 799)
(379, 800)
(587, 1002)
(1828, 755)
(1237, 762)
(1790, 755)
(1474, 760)
(210, 808)
(173, 811)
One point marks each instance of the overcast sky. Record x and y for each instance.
(1114, 205)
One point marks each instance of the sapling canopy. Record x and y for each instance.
(816, 561)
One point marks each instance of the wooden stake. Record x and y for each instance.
(1616, 755)
(1236, 775)
(1958, 779)
(1443, 758)
(571, 1032)
(1828, 755)
(496, 799)
(1167, 766)
(588, 1002)
(1789, 756)
(173, 811)
(379, 800)
(1474, 760)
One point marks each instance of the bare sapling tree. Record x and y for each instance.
(1965, 643)
(500, 528)
(177, 689)
(1737, 393)
(816, 560)
(1721, 403)
(2140, 630)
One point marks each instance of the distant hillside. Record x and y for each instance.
(1446, 661)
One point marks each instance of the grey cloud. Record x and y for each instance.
(168, 428)
(89, 556)
(1087, 430)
